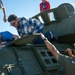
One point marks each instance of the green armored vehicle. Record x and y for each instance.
(23, 58)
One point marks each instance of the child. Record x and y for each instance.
(44, 5)
(6, 36)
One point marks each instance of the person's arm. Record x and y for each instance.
(70, 52)
(48, 6)
(41, 10)
(24, 35)
(4, 12)
(50, 47)
(15, 37)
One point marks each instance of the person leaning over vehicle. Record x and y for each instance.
(27, 26)
(67, 61)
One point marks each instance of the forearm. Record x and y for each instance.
(52, 49)
(15, 36)
(25, 35)
(4, 12)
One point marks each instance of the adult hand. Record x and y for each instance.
(42, 36)
(68, 50)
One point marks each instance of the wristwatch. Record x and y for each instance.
(44, 39)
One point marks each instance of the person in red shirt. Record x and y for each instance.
(44, 5)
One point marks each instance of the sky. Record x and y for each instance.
(27, 8)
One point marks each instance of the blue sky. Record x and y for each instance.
(27, 8)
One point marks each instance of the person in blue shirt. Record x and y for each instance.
(6, 36)
(27, 26)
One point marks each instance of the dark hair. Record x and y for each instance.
(12, 17)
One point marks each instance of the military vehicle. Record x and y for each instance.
(21, 57)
